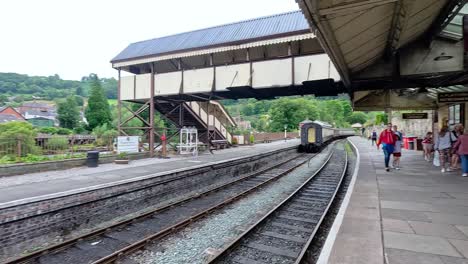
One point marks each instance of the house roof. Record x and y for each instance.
(8, 118)
(254, 29)
(38, 113)
(36, 105)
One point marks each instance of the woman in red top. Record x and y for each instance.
(387, 138)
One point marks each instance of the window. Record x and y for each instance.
(456, 115)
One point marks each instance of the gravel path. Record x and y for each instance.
(191, 245)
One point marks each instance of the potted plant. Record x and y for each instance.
(122, 158)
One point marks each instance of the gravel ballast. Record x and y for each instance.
(192, 243)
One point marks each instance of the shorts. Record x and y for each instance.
(427, 147)
(396, 154)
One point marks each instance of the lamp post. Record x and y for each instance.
(285, 132)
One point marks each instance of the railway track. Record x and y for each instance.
(286, 232)
(107, 245)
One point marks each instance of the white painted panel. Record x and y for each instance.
(232, 76)
(313, 67)
(272, 73)
(195, 107)
(203, 116)
(167, 83)
(143, 86)
(200, 80)
(334, 73)
(127, 86)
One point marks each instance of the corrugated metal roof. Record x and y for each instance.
(258, 28)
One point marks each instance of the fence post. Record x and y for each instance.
(18, 144)
(72, 144)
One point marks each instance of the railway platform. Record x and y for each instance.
(32, 187)
(415, 215)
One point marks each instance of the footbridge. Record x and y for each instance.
(183, 75)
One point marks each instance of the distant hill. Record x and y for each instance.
(25, 87)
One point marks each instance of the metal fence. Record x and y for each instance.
(49, 145)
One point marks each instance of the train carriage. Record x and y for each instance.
(316, 134)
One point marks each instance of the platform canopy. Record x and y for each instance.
(390, 44)
(396, 54)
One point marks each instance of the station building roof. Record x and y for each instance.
(274, 26)
(362, 36)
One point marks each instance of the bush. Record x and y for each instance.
(14, 131)
(105, 135)
(123, 155)
(234, 141)
(57, 143)
(64, 131)
(251, 139)
(48, 130)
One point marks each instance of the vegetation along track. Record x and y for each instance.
(286, 232)
(109, 244)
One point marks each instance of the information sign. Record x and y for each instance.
(127, 144)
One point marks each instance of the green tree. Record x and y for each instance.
(3, 99)
(357, 117)
(291, 112)
(98, 111)
(347, 109)
(68, 114)
(381, 118)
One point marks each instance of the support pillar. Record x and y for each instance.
(119, 105)
(151, 114)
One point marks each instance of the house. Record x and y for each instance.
(242, 124)
(39, 114)
(4, 118)
(8, 110)
(43, 107)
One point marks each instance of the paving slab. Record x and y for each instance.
(419, 243)
(398, 256)
(462, 228)
(461, 246)
(396, 226)
(423, 213)
(440, 230)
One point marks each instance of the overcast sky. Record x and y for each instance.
(76, 37)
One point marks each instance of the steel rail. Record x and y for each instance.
(69, 243)
(305, 249)
(172, 229)
(253, 227)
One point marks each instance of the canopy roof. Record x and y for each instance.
(275, 26)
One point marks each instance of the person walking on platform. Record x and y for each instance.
(428, 146)
(374, 137)
(444, 146)
(454, 134)
(461, 148)
(397, 150)
(387, 138)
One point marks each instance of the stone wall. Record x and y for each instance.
(24, 168)
(31, 225)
